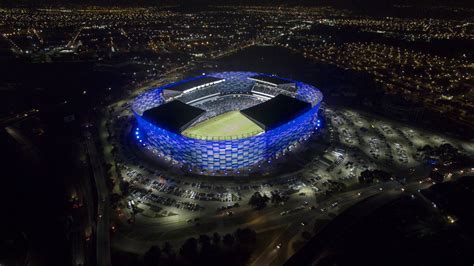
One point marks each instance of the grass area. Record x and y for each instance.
(225, 126)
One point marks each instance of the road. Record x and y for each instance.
(336, 228)
(139, 239)
(273, 256)
(103, 208)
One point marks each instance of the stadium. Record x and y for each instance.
(227, 122)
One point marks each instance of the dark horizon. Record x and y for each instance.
(337, 3)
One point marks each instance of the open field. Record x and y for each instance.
(225, 126)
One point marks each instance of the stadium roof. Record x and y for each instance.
(276, 111)
(193, 83)
(173, 116)
(273, 80)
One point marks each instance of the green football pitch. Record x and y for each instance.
(225, 126)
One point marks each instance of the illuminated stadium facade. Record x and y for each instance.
(285, 111)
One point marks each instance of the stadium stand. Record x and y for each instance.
(173, 116)
(235, 86)
(207, 154)
(276, 112)
(270, 80)
(269, 91)
(196, 83)
(199, 94)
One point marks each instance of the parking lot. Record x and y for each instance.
(358, 142)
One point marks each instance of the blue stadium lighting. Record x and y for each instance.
(209, 156)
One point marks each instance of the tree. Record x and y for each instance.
(216, 239)
(170, 254)
(189, 250)
(276, 197)
(381, 175)
(114, 199)
(124, 187)
(258, 201)
(246, 236)
(246, 240)
(107, 167)
(168, 249)
(228, 240)
(206, 249)
(427, 148)
(204, 240)
(447, 148)
(366, 177)
(153, 256)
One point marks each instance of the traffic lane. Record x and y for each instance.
(257, 220)
(103, 223)
(277, 256)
